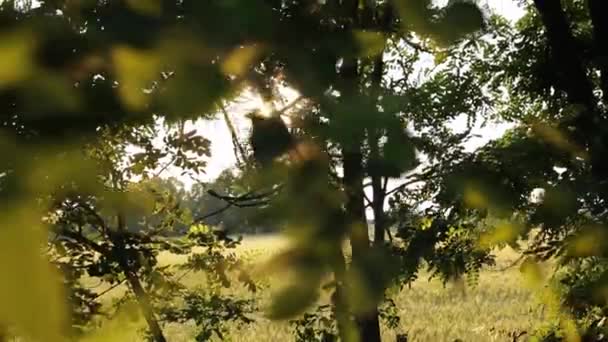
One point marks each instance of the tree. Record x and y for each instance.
(77, 85)
(553, 80)
(344, 119)
(116, 232)
(93, 70)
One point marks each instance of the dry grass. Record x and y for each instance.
(429, 312)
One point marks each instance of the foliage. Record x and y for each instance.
(98, 83)
(320, 324)
(553, 79)
(91, 236)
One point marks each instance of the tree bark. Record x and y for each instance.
(146, 306)
(590, 127)
(367, 322)
(379, 192)
(354, 172)
(597, 11)
(378, 208)
(564, 49)
(143, 299)
(340, 303)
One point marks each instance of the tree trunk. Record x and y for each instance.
(565, 54)
(140, 293)
(379, 192)
(339, 301)
(368, 323)
(378, 208)
(146, 306)
(590, 126)
(597, 11)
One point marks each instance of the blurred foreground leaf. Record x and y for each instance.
(30, 291)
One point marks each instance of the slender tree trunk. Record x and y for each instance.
(146, 306)
(143, 299)
(339, 301)
(367, 322)
(379, 192)
(378, 209)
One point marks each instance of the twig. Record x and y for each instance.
(249, 196)
(416, 179)
(213, 213)
(162, 169)
(289, 106)
(369, 202)
(181, 276)
(109, 289)
(384, 185)
(390, 235)
(515, 262)
(417, 46)
(246, 200)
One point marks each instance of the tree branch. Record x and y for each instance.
(109, 289)
(94, 214)
(213, 213)
(238, 148)
(246, 200)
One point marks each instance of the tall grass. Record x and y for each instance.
(498, 305)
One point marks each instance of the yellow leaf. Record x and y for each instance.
(414, 15)
(590, 242)
(31, 294)
(559, 139)
(50, 172)
(240, 59)
(293, 300)
(570, 330)
(126, 325)
(441, 56)
(146, 7)
(501, 233)
(135, 70)
(531, 272)
(371, 43)
(16, 50)
(474, 197)
(426, 223)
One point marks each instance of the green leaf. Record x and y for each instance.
(293, 300)
(368, 278)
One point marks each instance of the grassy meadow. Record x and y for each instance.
(490, 311)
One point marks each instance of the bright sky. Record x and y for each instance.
(221, 144)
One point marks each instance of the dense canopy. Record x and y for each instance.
(368, 171)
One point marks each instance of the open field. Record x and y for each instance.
(429, 312)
